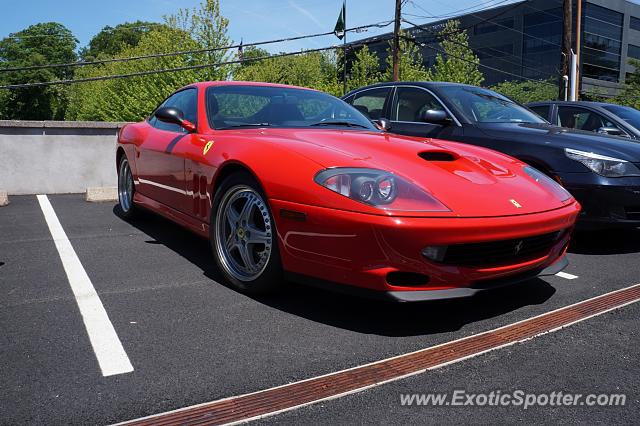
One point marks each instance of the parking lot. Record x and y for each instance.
(189, 339)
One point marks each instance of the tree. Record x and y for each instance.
(39, 44)
(316, 70)
(458, 64)
(133, 98)
(630, 95)
(365, 69)
(411, 64)
(249, 54)
(526, 91)
(208, 28)
(111, 40)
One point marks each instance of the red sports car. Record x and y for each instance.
(291, 181)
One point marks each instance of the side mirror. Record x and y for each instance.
(435, 116)
(174, 116)
(610, 131)
(382, 124)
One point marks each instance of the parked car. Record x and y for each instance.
(599, 117)
(288, 179)
(602, 172)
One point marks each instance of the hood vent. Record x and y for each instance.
(438, 156)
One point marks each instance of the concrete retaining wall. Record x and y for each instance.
(54, 157)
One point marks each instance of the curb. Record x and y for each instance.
(4, 198)
(101, 194)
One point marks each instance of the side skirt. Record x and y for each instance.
(184, 220)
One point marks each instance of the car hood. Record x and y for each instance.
(476, 182)
(612, 146)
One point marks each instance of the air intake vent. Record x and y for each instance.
(438, 156)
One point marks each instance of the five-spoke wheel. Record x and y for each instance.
(125, 188)
(244, 240)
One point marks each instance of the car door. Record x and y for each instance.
(584, 119)
(408, 105)
(372, 102)
(160, 172)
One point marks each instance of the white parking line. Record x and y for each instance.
(106, 344)
(566, 276)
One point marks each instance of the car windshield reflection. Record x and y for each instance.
(486, 106)
(238, 106)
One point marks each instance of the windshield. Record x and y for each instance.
(230, 107)
(628, 114)
(486, 106)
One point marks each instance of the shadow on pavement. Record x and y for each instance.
(603, 242)
(350, 312)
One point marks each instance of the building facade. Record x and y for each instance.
(525, 40)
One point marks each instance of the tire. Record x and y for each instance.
(243, 236)
(126, 189)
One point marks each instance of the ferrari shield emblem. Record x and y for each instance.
(207, 147)
(515, 203)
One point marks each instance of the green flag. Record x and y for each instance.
(339, 30)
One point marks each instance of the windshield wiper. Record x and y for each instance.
(235, 126)
(338, 123)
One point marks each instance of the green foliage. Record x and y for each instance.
(528, 91)
(39, 44)
(133, 98)
(365, 69)
(253, 52)
(630, 95)
(459, 64)
(111, 40)
(410, 66)
(208, 28)
(316, 70)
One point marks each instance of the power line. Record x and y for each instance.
(439, 36)
(456, 12)
(186, 52)
(489, 20)
(167, 70)
(413, 40)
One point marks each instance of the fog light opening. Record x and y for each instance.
(407, 279)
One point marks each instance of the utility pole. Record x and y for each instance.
(578, 41)
(566, 45)
(396, 41)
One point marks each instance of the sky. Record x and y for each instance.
(250, 20)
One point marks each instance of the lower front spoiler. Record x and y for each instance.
(425, 295)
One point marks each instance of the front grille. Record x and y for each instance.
(632, 212)
(500, 252)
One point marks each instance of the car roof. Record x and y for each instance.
(578, 103)
(205, 84)
(427, 84)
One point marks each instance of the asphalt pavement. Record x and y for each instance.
(191, 339)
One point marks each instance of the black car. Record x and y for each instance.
(596, 117)
(602, 172)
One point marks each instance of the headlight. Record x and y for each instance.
(548, 183)
(603, 165)
(379, 189)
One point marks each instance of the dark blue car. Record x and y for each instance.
(602, 172)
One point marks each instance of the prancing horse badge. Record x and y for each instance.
(207, 147)
(515, 203)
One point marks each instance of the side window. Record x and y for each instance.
(371, 102)
(582, 119)
(411, 103)
(541, 110)
(187, 102)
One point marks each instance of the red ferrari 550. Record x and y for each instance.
(288, 180)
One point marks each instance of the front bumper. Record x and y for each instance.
(606, 202)
(427, 295)
(362, 250)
